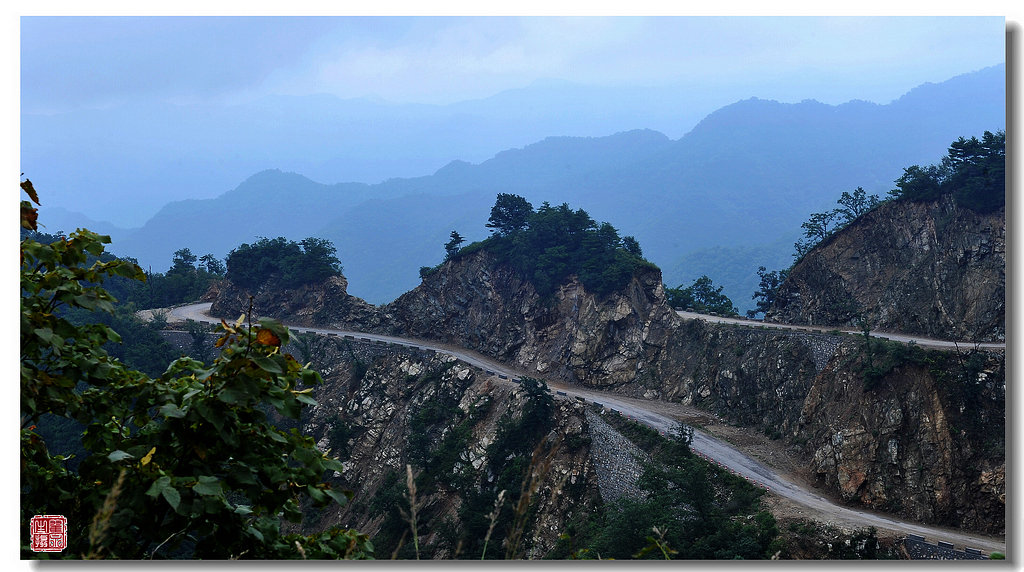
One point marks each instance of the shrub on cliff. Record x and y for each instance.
(550, 244)
(695, 510)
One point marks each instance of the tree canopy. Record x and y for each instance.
(820, 226)
(764, 297)
(551, 243)
(702, 297)
(292, 263)
(689, 509)
(973, 171)
(452, 246)
(509, 214)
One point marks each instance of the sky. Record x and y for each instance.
(69, 63)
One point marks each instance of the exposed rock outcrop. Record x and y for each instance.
(326, 303)
(368, 408)
(770, 379)
(919, 433)
(934, 269)
(926, 441)
(575, 336)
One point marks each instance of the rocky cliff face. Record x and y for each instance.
(575, 336)
(925, 440)
(773, 380)
(325, 303)
(915, 432)
(382, 410)
(933, 269)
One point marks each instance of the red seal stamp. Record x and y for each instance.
(49, 533)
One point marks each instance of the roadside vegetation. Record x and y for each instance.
(701, 297)
(689, 509)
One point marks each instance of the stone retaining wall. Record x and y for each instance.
(615, 458)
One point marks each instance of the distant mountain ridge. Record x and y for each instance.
(739, 185)
(168, 152)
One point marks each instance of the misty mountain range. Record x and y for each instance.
(721, 200)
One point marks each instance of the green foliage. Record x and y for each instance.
(702, 297)
(426, 271)
(509, 458)
(822, 225)
(644, 437)
(339, 435)
(509, 214)
(183, 261)
(973, 171)
(883, 356)
(550, 244)
(488, 511)
(764, 296)
(689, 510)
(184, 282)
(141, 348)
(517, 436)
(292, 263)
(200, 334)
(187, 464)
(433, 412)
(452, 246)
(212, 265)
(632, 246)
(853, 206)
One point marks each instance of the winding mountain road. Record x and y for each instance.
(663, 416)
(894, 336)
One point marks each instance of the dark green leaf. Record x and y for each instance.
(172, 496)
(172, 410)
(267, 364)
(208, 486)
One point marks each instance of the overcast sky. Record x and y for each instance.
(73, 62)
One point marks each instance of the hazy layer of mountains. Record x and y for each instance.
(165, 152)
(723, 199)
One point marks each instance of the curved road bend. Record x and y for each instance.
(896, 337)
(714, 450)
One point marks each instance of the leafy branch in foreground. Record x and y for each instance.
(186, 465)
